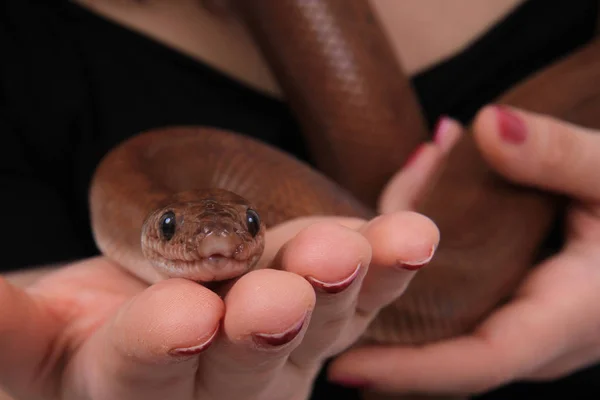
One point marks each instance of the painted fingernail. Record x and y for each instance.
(355, 383)
(415, 154)
(197, 349)
(512, 128)
(441, 130)
(334, 287)
(279, 339)
(416, 265)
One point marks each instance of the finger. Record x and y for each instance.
(334, 260)
(29, 347)
(402, 243)
(464, 365)
(407, 185)
(268, 312)
(150, 348)
(447, 133)
(279, 235)
(519, 338)
(538, 150)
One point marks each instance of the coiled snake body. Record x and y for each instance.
(194, 202)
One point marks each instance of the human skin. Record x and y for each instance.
(551, 326)
(92, 330)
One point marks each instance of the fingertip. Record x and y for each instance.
(538, 150)
(506, 153)
(404, 238)
(327, 251)
(268, 312)
(268, 307)
(175, 317)
(447, 132)
(485, 130)
(150, 347)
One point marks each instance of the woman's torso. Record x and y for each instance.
(422, 33)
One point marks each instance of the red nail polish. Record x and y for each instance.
(334, 287)
(195, 350)
(279, 339)
(416, 265)
(512, 128)
(440, 129)
(411, 159)
(411, 267)
(356, 383)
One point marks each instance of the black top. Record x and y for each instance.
(73, 84)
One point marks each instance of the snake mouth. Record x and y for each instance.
(206, 269)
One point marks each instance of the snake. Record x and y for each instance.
(195, 201)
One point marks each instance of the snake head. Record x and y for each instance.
(204, 235)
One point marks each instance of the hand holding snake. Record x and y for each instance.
(550, 328)
(94, 330)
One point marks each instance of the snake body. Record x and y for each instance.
(361, 121)
(207, 181)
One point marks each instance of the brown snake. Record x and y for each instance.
(361, 120)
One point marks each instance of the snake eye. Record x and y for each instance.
(253, 222)
(167, 225)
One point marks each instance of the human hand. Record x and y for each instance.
(408, 184)
(90, 330)
(551, 327)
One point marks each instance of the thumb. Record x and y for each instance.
(540, 151)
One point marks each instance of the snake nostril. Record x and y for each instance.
(214, 229)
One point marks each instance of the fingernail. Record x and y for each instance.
(415, 154)
(334, 287)
(279, 339)
(512, 128)
(416, 265)
(441, 130)
(194, 350)
(355, 383)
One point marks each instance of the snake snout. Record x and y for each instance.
(218, 244)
